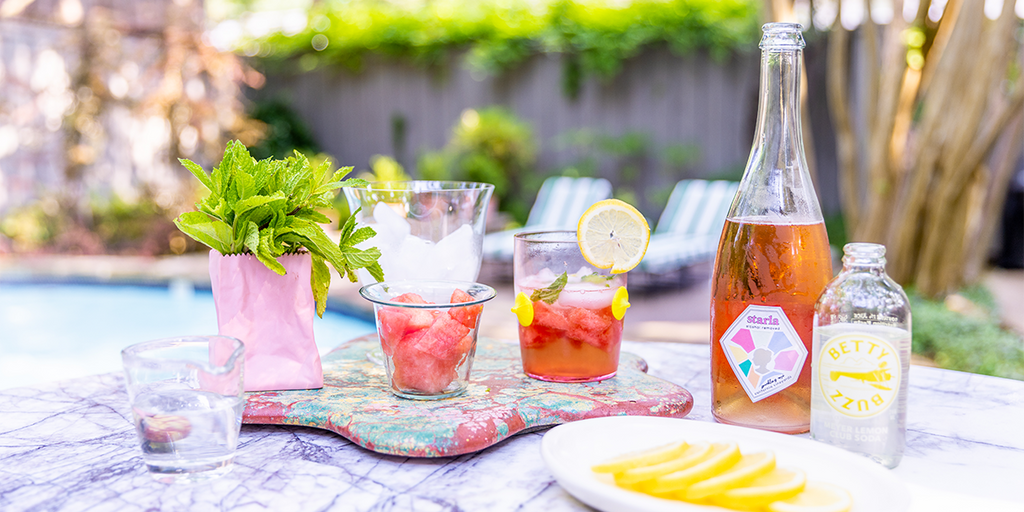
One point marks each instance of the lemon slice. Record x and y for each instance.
(723, 456)
(613, 235)
(692, 455)
(523, 309)
(779, 484)
(643, 458)
(620, 303)
(816, 497)
(747, 469)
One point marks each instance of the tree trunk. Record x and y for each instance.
(931, 126)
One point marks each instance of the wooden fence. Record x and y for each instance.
(673, 101)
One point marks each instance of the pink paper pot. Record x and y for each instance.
(272, 315)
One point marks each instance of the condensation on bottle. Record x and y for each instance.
(861, 359)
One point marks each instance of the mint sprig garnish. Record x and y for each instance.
(550, 294)
(596, 278)
(269, 208)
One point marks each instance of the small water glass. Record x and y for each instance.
(186, 396)
(428, 333)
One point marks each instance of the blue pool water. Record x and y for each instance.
(61, 331)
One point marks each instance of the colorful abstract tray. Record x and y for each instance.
(500, 401)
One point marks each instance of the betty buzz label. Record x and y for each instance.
(859, 374)
(764, 351)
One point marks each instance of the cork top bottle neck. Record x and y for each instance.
(782, 37)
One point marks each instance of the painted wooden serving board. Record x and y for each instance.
(500, 401)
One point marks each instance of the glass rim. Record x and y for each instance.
(136, 353)
(422, 186)
(538, 236)
(367, 292)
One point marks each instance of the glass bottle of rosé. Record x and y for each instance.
(773, 261)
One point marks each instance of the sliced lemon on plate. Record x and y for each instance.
(693, 454)
(648, 457)
(613, 234)
(723, 456)
(523, 309)
(816, 497)
(778, 484)
(743, 472)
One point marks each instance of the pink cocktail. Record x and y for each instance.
(573, 335)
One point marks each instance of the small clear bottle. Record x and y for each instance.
(861, 359)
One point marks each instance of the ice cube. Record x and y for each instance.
(458, 254)
(390, 225)
(414, 259)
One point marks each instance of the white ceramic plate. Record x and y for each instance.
(570, 450)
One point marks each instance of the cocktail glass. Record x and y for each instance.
(186, 399)
(426, 230)
(573, 335)
(428, 332)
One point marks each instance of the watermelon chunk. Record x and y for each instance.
(466, 315)
(548, 316)
(591, 327)
(393, 325)
(410, 298)
(415, 370)
(442, 339)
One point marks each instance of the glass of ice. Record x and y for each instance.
(186, 399)
(428, 332)
(572, 333)
(425, 229)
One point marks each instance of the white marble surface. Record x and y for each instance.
(71, 446)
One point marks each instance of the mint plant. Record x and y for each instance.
(268, 208)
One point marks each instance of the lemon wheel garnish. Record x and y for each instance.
(620, 303)
(613, 234)
(816, 497)
(523, 309)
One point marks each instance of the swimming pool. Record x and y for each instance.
(61, 331)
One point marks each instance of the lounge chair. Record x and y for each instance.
(559, 204)
(690, 226)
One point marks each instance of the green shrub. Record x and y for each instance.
(284, 131)
(595, 35)
(489, 145)
(971, 342)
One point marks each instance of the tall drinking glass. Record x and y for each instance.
(187, 402)
(426, 230)
(572, 333)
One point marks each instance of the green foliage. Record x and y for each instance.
(835, 225)
(108, 226)
(284, 131)
(269, 208)
(595, 35)
(490, 146)
(972, 342)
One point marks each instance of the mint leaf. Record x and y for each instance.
(597, 279)
(359, 258)
(550, 294)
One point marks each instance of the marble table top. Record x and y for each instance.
(71, 446)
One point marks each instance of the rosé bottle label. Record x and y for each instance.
(764, 351)
(859, 374)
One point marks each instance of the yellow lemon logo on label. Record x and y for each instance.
(859, 374)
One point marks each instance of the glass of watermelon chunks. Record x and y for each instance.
(570, 327)
(427, 332)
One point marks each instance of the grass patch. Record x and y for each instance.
(970, 339)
